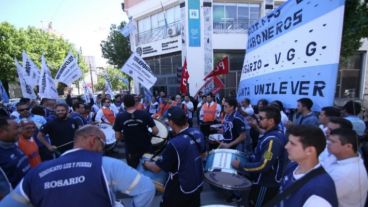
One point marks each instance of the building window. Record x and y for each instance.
(349, 77)
(155, 27)
(234, 17)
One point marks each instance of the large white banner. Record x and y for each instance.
(31, 70)
(293, 53)
(139, 70)
(26, 88)
(69, 70)
(47, 88)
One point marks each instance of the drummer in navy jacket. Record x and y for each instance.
(267, 163)
(234, 126)
(81, 177)
(182, 159)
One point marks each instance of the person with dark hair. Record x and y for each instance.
(116, 105)
(105, 114)
(267, 162)
(97, 105)
(305, 143)
(190, 109)
(246, 108)
(182, 159)
(12, 160)
(233, 125)
(280, 106)
(343, 144)
(326, 158)
(305, 115)
(350, 112)
(77, 114)
(24, 111)
(88, 114)
(49, 106)
(262, 103)
(209, 114)
(82, 176)
(60, 130)
(38, 110)
(23, 101)
(327, 112)
(132, 126)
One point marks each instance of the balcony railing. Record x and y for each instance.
(234, 26)
(171, 30)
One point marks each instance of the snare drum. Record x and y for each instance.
(109, 134)
(220, 173)
(159, 139)
(158, 179)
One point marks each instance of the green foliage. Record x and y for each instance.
(34, 42)
(114, 76)
(116, 49)
(355, 27)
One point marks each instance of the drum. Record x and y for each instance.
(216, 137)
(216, 126)
(109, 134)
(159, 179)
(159, 139)
(220, 173)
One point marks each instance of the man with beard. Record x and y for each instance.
(61, 131)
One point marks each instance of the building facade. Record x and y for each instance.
(203, 32)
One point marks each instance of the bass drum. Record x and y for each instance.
(110, 136)
(160, 139)
(220, 173)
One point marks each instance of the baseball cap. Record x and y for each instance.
(176, 114)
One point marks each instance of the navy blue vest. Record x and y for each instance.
(321, 185)
(13, 162)
(74, 179)
(190, 172)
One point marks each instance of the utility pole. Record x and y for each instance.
(90, 73)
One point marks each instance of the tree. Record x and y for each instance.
(355, 27)
(115, 76)
(116, 49)
(35, 42)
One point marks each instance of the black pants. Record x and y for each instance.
(174, 197)
(134, 158)
(260, 195)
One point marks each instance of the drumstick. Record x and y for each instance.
(64, 144)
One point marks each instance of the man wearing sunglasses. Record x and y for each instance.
(265, 166)
(82, 176)
(24, 111)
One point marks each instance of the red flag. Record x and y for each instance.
(221, 67)
(212, 85)
(184, 78)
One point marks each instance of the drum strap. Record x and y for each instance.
(297, 185)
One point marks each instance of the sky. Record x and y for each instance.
(85, 23)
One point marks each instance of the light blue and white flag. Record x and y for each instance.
(69, 70)
(108, 87)
(3, 94)
(31, 70)
(27, 89)
(47, 87)
(128, 28)
(293, 53)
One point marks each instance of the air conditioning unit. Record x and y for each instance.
(172, 31)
